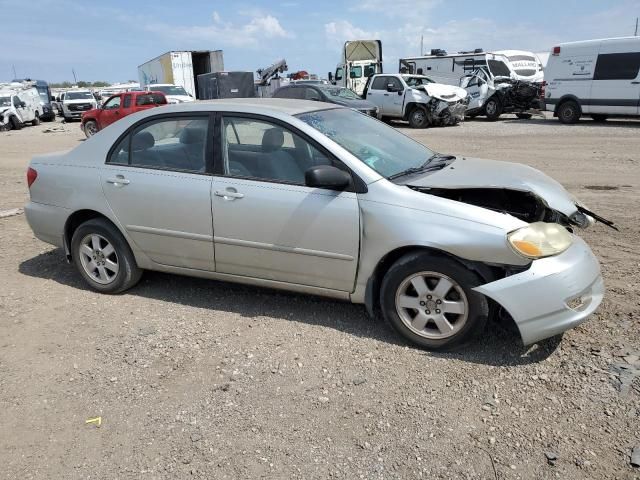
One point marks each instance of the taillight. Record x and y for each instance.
(31, 176)
(542, 88)
(556, 51)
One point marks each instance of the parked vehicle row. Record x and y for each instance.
(320, 199)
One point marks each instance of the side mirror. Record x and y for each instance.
(327, 176)
(330, 77)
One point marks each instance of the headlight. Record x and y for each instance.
(540, 240)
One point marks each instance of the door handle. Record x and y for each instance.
(635, 83)
(228, 194)
(386, 94)
(118, 181)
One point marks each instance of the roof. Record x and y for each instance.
(599, 40)
(254, 105)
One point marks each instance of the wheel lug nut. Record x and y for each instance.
(429, 297)
(437, 311)
(422, 304)
(438, 302)
(427, 312)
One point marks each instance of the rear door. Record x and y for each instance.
(616, 79)
(156, 182)
(267, 223)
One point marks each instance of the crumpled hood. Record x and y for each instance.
(448, 93)
(480, 173)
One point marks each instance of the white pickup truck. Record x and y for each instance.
(417, 99)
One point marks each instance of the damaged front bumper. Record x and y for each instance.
(553, 295)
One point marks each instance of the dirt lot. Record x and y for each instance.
(200, 379)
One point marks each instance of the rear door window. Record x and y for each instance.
(617, 66)
(126, 103)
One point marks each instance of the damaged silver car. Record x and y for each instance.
(320, 199)
(416, 99)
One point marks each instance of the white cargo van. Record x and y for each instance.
(599, 78)
(19, 104)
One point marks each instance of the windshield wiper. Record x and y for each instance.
(424, 167)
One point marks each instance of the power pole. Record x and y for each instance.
(75, 80)
(16, 76)
(636, 34)
(422, 43)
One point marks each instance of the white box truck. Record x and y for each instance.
(361, 59)
(180, 68)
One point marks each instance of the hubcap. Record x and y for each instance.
(418, 116)
(99, 259)
(91, 128)
(432, 305)
(491, 108)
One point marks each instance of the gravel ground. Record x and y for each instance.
(202, 379)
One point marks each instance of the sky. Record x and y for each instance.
(108, 40)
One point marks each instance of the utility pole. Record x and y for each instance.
(16, 76)
(636, 34)
(75, 80)
(422, 42)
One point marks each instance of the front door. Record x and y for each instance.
(616, 79)
(155, 182)
(267, 223)
(110, 111)
(389, 102)
(477, 88)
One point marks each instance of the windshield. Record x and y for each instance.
(339, 92)
(5, 101)
(382, 148)
(44, 93)
(417, 81)
(78, 96)
(168, 89)
(499, 68)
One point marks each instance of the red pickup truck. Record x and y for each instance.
(118, 106)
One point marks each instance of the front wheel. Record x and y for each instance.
(493, 108)
(418, 118)
(90, 128)
(430, 301)
(15, 123)
(36, 120)
(103, 257)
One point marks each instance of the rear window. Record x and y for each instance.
(151, 99)
(617, 66)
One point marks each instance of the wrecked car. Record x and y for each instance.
(492, 96)
(416, 99)
(320, 199)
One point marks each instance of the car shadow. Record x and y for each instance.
(499, 346)
(584, 122)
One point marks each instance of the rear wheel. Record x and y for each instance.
(418, 118)
(493, 108)
(103, 257)
(599, 118)
(569, 112)
(90, 128)
(36, 120)
(430, 301)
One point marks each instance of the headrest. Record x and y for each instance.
(272, 139)
(142, 141)
(192, 135)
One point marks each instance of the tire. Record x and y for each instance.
(418, 118)
(493, 108)
(569, 112)
(15, 124)
(66, 119)
(90, 128)
(598, 117)
(36, 120)
(524, 116)
(90, 245)
(434, 270)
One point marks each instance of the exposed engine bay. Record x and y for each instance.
(518, 95)
(525, 206)
(443, 109)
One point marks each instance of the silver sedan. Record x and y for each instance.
(319, 199)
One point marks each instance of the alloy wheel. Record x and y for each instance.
(432, 305)
(99, 259)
